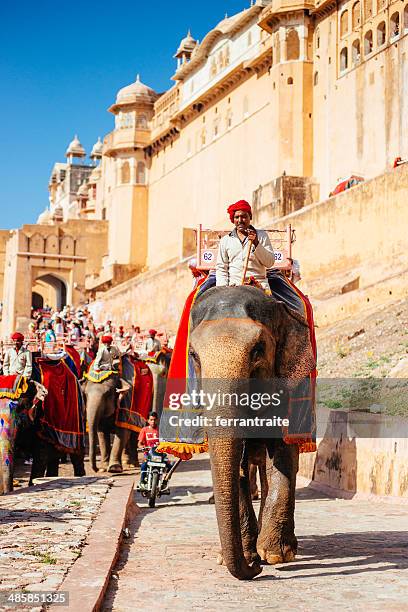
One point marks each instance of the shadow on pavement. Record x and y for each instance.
(390, 548)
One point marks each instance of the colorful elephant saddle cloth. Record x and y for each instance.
(12, 386)
(98, 376)
(135, 405)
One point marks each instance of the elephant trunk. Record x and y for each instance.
(225, 465)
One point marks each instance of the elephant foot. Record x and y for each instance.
(273, 557)
(115, 468)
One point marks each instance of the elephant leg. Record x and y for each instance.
(252, 481)
(119, 442)
(105, 448)
(249, 523)
(226, 454)
(277, 541)
(93, 434)
(129, 455)
(53, 459)
(40, 458)
(77, 460)
(264, 491)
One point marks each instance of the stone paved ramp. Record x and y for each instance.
(353, 556)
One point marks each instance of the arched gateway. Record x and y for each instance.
(46, 265)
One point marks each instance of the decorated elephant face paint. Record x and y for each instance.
(8, 430)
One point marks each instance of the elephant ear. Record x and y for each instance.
(294, 359)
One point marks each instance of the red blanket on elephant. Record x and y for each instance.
(62, 422)
(12, 385)
(135, 405)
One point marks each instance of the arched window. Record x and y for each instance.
(292, 45)
(356, 52)
(344, 23)
(356, 17)
(368, 9)
(290, 81)
(344, 59)
(125, 173)
(368, 42)
(141, 173)
(395, 25)
(316, 78)
(141, 121)
(406, 19)
(381, 34)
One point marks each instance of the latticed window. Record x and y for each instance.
(356, 52)
(344, 59)
(292, 45)
(368, 42)
(381, 34)
(141, 173)
(125, 173)
(344, 23)
(356, 15)
(368, 9)
(395, 25)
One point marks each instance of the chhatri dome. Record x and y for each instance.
(187, 46)
(136, 92)
(96, 152)
(45, 217)
(75, 149)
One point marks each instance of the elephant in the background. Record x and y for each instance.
(240, 333)
(15, 415)
(159, 368)
(101, 401)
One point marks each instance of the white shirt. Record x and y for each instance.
(18, 362)
(231, 258)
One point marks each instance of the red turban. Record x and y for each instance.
(152, 332)
(107, 339)
(240, 205)
(17, 336)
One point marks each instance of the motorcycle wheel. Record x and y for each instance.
(153, 492)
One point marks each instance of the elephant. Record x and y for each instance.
(159, 368)
(237, 333)
(101, 402)
(15, 415)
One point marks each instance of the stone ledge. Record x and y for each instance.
(302, 481)
(88, 578)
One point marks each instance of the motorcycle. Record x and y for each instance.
(157, 475)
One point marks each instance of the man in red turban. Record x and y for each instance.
(108, 355)
(18, 359)
(152, 344)
(233, 249)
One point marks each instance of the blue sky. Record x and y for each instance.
(61, 64)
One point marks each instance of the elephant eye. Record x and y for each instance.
(258, 351)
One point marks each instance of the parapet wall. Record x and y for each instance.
(352, 250)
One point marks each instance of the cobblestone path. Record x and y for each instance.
(353, 555)
(43, 529)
